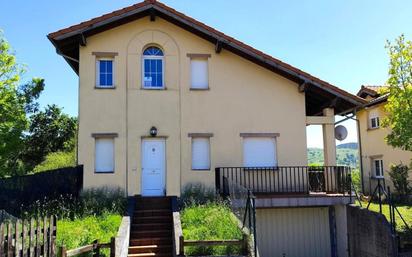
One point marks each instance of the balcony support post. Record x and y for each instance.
(329, 146)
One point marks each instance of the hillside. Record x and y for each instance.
(345, 156)
(348, 145)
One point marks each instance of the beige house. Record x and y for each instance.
(377, 155)
(165, 100)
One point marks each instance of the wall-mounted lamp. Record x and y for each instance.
(153, 131)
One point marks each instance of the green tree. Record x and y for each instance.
(28, 135)
(399, 105)
(15, 100)
(49, 131)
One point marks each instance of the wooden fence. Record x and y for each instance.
(93, 248)
(22, 191)
(33, 238)
(242, 243)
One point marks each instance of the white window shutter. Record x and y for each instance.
(259, 152)
(104, 155)
(199, 74)
(200, 153)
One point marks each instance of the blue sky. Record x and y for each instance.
(340, 41)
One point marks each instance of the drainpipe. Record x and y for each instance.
(360, 155)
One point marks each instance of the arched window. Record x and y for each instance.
(153, 68)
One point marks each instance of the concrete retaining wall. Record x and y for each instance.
(369, 234)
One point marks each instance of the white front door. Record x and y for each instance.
(153, 167)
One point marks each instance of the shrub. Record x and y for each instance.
(356, 180)
(56, 161)
(196, 194)
(96, 201)
(399, 177)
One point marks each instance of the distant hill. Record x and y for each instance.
(352, 145)
(347, 156)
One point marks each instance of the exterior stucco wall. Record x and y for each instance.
(243, 98)
(374, 145)
(293, 232)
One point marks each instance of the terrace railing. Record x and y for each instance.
(286, 179)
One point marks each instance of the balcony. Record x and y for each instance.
(289, 186)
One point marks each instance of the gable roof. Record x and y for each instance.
(322, 94)
(375, 92)
(370, 90)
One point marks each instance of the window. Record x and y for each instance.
(153, 68)
(200, 153)
(378, 167)
(374, 122)
(104, 155)
(104, 73)
(199, 73)
(373, 119)
(259, 152)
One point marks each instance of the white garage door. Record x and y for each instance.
(293, 232)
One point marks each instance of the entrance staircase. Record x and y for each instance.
(152, 228)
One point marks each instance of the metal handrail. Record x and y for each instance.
(288, 179)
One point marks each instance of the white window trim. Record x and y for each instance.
(114, 154)
(381, 166)
(377, 122)
(98, 59)
(205, 59)
(195, 136)
(152, 57)
(272, 136)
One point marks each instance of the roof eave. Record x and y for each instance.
(212, 37)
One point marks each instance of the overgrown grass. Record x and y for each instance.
(405, 210)
(83, 231)
(92, 202)
(96, 214)
(210, 221)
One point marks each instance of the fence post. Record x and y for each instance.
(96, 248)
(31, 239)
(2, 239)
(181, 245)
(23, 238)
(217, 180)
(254, 225)
(350, 187)
(380, 196)
(63, 251)
(9, 241)
(53, 233)
(16, 239)
(112, 247)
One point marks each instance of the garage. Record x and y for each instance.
(293, 232)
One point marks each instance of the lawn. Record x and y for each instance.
(83, 231)
(405, 210)
(210, 221)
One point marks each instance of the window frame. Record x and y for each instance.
(206, 136)
(377, 122)
(153, 57)
(97, 77)
(381, 172)
(272, 136)
(98, 136)
(204, 58)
